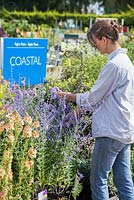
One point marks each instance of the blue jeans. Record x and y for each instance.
(111, 154)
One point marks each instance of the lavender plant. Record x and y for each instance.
(60, 145)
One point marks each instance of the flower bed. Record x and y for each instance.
(39, 148)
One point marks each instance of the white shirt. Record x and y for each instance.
(112, 99)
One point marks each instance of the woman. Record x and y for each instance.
(112, 102)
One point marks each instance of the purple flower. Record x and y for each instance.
(45, 192)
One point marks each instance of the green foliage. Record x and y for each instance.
(128, 17)
(16, 28)
(51, 18)
(55, 173)
(80, 70)
(61, 6)
(76, 188)
(130, 47)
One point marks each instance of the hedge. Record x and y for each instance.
(53, 17)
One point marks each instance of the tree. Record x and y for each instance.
(110, 6)
(44, 5)
(115, 6)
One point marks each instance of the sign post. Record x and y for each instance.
(24, 60)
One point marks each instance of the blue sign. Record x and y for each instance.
(24, 60)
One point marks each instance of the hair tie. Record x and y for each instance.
(114, 25)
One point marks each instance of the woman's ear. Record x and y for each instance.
(105, 40)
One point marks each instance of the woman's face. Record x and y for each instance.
(101, 45)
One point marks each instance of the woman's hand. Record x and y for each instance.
(62, 94)
(67, 96)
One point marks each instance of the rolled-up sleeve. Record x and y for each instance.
(104, 86)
